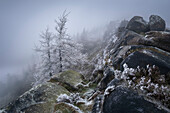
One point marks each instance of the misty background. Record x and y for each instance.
(21, 23)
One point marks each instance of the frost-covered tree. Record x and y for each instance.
(67, 53)
(58, 52)
(45, 50)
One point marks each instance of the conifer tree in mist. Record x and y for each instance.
(58, 51)
(67, 52)
(45, 67)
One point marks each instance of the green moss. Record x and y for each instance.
(41, 108)
(64, 108)
(71, 77)
(142, 33)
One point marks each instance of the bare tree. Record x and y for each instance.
(45, 50)
(58, 52)
(67, 51)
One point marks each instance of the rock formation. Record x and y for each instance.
(134, 77)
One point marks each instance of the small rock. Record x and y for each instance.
(108, 76)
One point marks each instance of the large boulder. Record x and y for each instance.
(146, 56)
(126, 37)
(138, 24)
(123, 100)
(156, 43)
(156, 23)
(158, 39)
(41, 99)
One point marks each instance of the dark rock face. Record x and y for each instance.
(130, 42)
(140, 55)
(138, 24)
(137, 46)
(158, 39)
(142, 59)
(156, 23)
(126, 37)
(109, 75)
(123, 100)
(114, 82)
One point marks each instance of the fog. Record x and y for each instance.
(22, 21)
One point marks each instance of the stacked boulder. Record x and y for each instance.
(138, 24)
(142, 43)
(156, 23)
(139, 45)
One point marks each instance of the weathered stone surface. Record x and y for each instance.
(145, 57)
(129, 42)
(114, 82)
(108, 76)
(126, 52)
(123, 100)
(96, 76)
(158, 39)
(138, 24)
(39, 98)
(156, 23)
(126, 37)
(69, 79)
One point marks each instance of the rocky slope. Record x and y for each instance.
(131, 75)
(64, 92)
(136, 69)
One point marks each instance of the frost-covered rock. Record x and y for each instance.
(41, 98)
(138, 24)
(98, 103)
(108, 90)
(156, 23)
(130, 55)
(123, 100)
(53, 97)
(141, 55)
(145, 57)
(158, 39)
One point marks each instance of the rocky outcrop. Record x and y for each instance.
(148, 56)
(155, 45)
(158, 39)
(138, 24)
(123, 100)
(41, 98)
(44, 98)
(130, 43)
(133, 77)
(156, 23)
(140, 60)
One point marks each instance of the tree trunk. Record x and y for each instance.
(61, 66)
